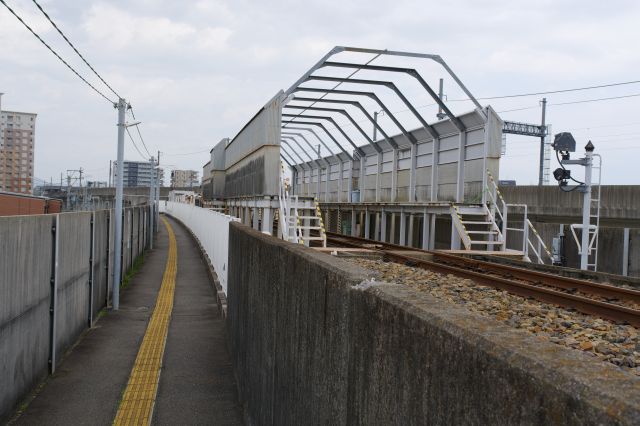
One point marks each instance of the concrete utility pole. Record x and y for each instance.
(542, 127)
(117, 261)
(440, 114)
(157, 202)
(152, 199)
(375, 128)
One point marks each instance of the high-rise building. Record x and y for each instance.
(184, 179)
(137, 173)
(17, 136)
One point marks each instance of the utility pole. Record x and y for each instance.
(542, 128)
(440, 114)
(68, 191)
(157, 202)
(152, 210)
(117, 261)
(375, 128)
(109, 173)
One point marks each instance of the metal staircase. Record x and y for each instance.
(485, 227)
(299, 220)
(477, 227)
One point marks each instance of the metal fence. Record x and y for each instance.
(56, 274)
(211, 228)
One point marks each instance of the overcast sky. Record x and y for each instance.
(197, 71)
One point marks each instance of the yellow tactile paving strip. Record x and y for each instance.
(139, 396)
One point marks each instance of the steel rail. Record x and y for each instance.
(580, 303)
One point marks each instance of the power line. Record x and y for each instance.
(134, 144)
(74, 48)
(519, 109)
(54, 52)
(186, 153)
(139, 133)
(549, 92)
(597, 99)
(576, 102)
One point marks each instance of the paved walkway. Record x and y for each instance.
(196, 384)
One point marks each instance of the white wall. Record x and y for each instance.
(211, 228)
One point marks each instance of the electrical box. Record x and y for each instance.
(564, 142)
(556, 250)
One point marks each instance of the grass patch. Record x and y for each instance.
(137, 264)
(102, 313)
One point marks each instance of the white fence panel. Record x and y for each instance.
(211, 228)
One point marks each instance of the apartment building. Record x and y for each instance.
(17, 141)
(184, 179)
(137, 173)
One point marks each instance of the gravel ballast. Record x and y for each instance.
(617, 344)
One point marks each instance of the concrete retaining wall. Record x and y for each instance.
(33, 339)
(620, 204)
(73, 284)
(25, 292)
(314, 342)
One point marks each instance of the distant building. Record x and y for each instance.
(17, 136)
(12, 204)
(184, 179)
(507, 182)
(137, 173)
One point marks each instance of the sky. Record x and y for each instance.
(196, 71)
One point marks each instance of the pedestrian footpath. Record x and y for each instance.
(162, 357)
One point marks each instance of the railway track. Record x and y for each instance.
(602, 300)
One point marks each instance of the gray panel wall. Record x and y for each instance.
(101, 270)
(483, 139)
(25, 290)
(252, 158)
(27, 256)
(72, 306)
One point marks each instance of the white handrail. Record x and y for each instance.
(542, 247)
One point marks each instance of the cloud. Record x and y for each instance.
(197, 70)
(115, 29)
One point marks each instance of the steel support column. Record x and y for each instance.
(383, 226)
(426, 223)
(403, 228)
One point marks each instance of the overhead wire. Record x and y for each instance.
(139, 132)
(186, 153)
(55, 53)
(74, 48)
(596, 100)
(134, 144)
(550, 92)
